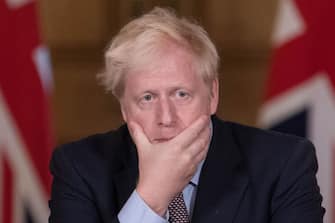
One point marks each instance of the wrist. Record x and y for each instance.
(157, 203)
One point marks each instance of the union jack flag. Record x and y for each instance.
(25, 136)
(300, 96)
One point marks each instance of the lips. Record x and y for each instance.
(160, 140)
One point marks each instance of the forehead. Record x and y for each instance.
(163, 53)
(171, 67)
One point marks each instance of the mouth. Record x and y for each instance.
(160, 140)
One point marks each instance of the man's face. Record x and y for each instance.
(167, 96)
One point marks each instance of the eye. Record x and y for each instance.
(146, 98)
(181, 94)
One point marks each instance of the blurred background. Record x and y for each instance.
(277, 72)
(77, 34)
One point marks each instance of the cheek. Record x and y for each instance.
(140, 116)
(190, 112)
(145, 118)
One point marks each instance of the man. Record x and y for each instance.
(174, 160)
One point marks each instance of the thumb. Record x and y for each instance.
(138, 135)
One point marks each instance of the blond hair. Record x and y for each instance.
(141, 36)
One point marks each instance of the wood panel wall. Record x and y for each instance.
(77, 32)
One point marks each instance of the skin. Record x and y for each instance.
(167, 106)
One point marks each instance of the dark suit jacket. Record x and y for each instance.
(249, 175)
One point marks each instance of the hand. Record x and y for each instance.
(166, 168)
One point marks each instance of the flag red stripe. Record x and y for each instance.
(21, 86)
(313, 52)
(7, 192)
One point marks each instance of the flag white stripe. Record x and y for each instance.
(288, 24)
(24, 172)
(15, 4)
(317, 96)
(41, 58)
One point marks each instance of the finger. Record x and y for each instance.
(138, 135)
(187, 136)
(201, 155)
(200, 144)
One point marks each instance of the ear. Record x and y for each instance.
(214, 96)
(123, 111)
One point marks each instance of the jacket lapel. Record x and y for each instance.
(125, 178)
(125, 183)
(223, 179)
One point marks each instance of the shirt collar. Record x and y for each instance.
(196, 176)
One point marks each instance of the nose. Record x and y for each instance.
(166, 113)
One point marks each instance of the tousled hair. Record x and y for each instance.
(142, 36)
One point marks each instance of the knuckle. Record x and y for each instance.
(187, 158)
(202, 143)
(203, 155)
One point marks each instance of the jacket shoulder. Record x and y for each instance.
(96, 151)
(248, 136)
(266, 150)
